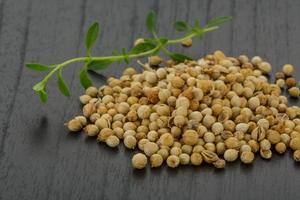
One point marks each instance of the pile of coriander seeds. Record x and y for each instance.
(215, 110)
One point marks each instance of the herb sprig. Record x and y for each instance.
(150, 46)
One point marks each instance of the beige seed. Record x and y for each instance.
(294, 92)
(91, 91)
(166, 139)
(175, 151)
(184, 159)
(266, 154)
(91, 130)
(84, 99)
(155, 60)
(280, 147)
(74, 125)
(219, 164)
(150, 148)
(82, 120)
(156, 160)
(265, 67)
(139, 161)
(164, 153)
(144, 111)
(112, 141)
(173, 161)
(232, 143)
(288, 69)
(247, 157)
(296, 155)
(187, 42)
(295, 143)
(130, 142)
(177, 82)
(196, 159)
(190, 137)
(230, 155)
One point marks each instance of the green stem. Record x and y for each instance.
(121, 57)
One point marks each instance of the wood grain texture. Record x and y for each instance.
(39, 159)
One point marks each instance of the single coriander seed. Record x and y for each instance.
(288, 69)
(230, 155)
(219, 164)
(156, 160)
(130, 142)
(139, 161)
(173, 161)
(184, 159)
(296, 155)
(247, 157)
(196, 159)
(112, 141)
(74, 125)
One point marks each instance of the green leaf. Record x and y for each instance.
(43, 96)
(98, 64)
(179, 57)
(181, 26)
(142, 47)
(64, 89)
(37, 67)
(126, 57)
(217, 21)
(91, 36)
(85, 81)
(39, 86)
(150, 21)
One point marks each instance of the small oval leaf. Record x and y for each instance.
(181, 26)
(37, 67)
(43, 96)
(39, 86)
(98, 64)
(150, 21)
(91, 36)
(179, 57)
(84, 78)
(64, 89)
(142, 47)
(217, 21)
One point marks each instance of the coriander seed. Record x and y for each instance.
(156, 160)
(173, 161)
(288, 69)
(130, 142)
(150, 148)
(230, 155)
(219, 164)
(294, 92)
(74, 125)
(139, 161)
(196, 159)
(296, 155)
(184, 159)
(280, 147)
(112, 141)
(247, 157)
(91, 130)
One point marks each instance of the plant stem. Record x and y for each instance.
(121, 57)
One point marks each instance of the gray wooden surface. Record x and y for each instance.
(40, 160)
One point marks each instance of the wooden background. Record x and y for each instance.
(39, 159)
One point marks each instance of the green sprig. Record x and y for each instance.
(150, 46)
